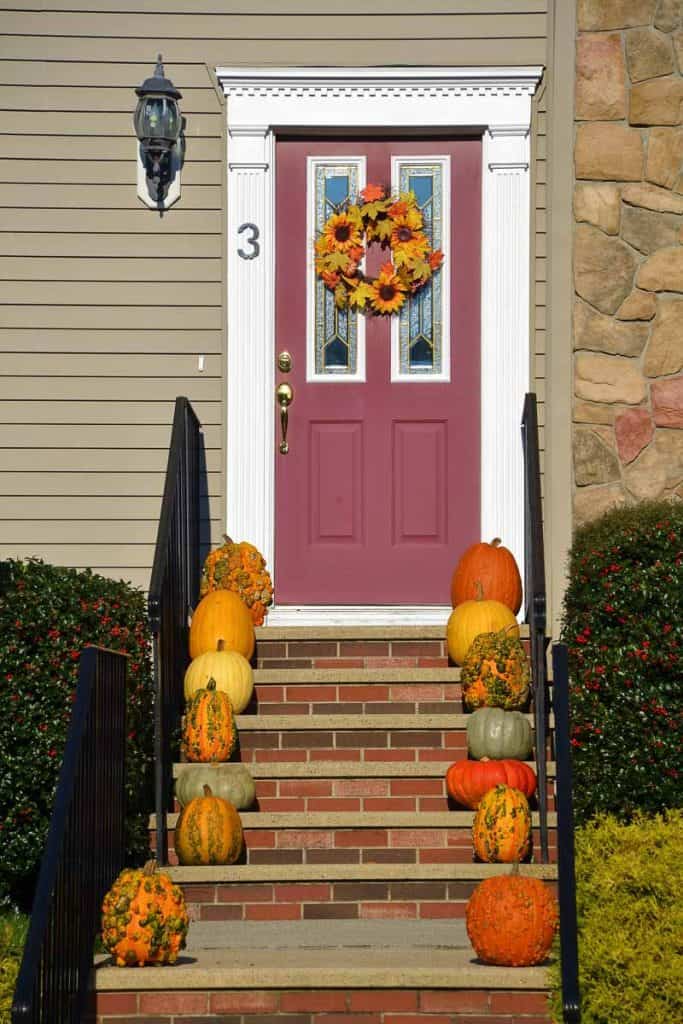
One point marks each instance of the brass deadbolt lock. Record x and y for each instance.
(284, 362)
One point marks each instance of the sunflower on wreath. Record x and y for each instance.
(395, 224)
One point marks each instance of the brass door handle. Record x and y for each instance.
(285, 397)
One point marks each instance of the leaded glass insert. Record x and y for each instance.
(421, 327)
(336, 330)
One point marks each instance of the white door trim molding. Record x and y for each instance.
(264, 101)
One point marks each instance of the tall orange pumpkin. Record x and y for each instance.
(222, 615)
(208, 831)
(511, 920)
(495, 568)
(210, 732)
(501, 832)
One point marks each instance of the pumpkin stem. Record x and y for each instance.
(478, 590)
(220, 646)
(228, 540)
(207, 790)
(514, 870)
(496, 542)
(150, 867)
(211, 684)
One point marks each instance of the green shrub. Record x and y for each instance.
(630, 917)
(13, 929)
(623, 626)
(47, 615)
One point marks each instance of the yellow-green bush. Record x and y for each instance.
(630, 911)
(13, 928)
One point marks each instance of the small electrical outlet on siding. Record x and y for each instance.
(200, 364)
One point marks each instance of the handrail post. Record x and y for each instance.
(571, 1007)
(535, 605)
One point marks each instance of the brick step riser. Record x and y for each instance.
(356, 698)
(365, 1006)
(331, 795)
(351, 654)
(352, 901)
(359, 846)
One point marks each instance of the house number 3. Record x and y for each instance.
(251, 240)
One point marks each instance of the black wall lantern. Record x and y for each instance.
(159, 128)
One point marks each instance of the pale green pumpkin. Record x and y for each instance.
(231, 782)
(498, 734)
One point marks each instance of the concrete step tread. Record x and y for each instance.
(367, 966)
(356, 819)
(306, 676)
(360, 723)
(346, 769)
(359, 632)
(288, 873)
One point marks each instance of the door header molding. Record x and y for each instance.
(264, 101)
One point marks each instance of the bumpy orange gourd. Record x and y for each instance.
(495, 673)
(222, 615)
(231, 670)
(208, 831)
(240, 567)
(495, 568)
(467, 781)
(511, 920)
(210, 732)
(471, 618)
(144, 918)
(501, 832)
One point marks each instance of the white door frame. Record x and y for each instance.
(264, 101)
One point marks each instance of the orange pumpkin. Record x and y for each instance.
(471, 618)
(467, 781)
(501, 832)
(222, 615)
(511, 920)
(208, 831)
(495, 568)
(144, 918)
(210, 732)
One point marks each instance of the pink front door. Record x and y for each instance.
(379, 492)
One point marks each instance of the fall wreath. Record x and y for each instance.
(396, 224)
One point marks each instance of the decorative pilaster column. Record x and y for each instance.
(250, 260)
(505, 370)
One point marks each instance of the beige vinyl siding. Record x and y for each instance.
(107, 307)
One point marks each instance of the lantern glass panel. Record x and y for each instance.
(157, 117)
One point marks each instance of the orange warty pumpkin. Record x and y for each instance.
(144, 918)
(240, 567)
(467, 781)
(511, 920)
(210, 732)
(501, 832)
(495, 673)
(208, 831)
(221, 615)
(495, 568)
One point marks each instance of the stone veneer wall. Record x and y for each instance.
(628, 253)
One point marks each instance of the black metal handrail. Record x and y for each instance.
(569, 955)
(85, 848)
(535, 605)
(173, 591)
